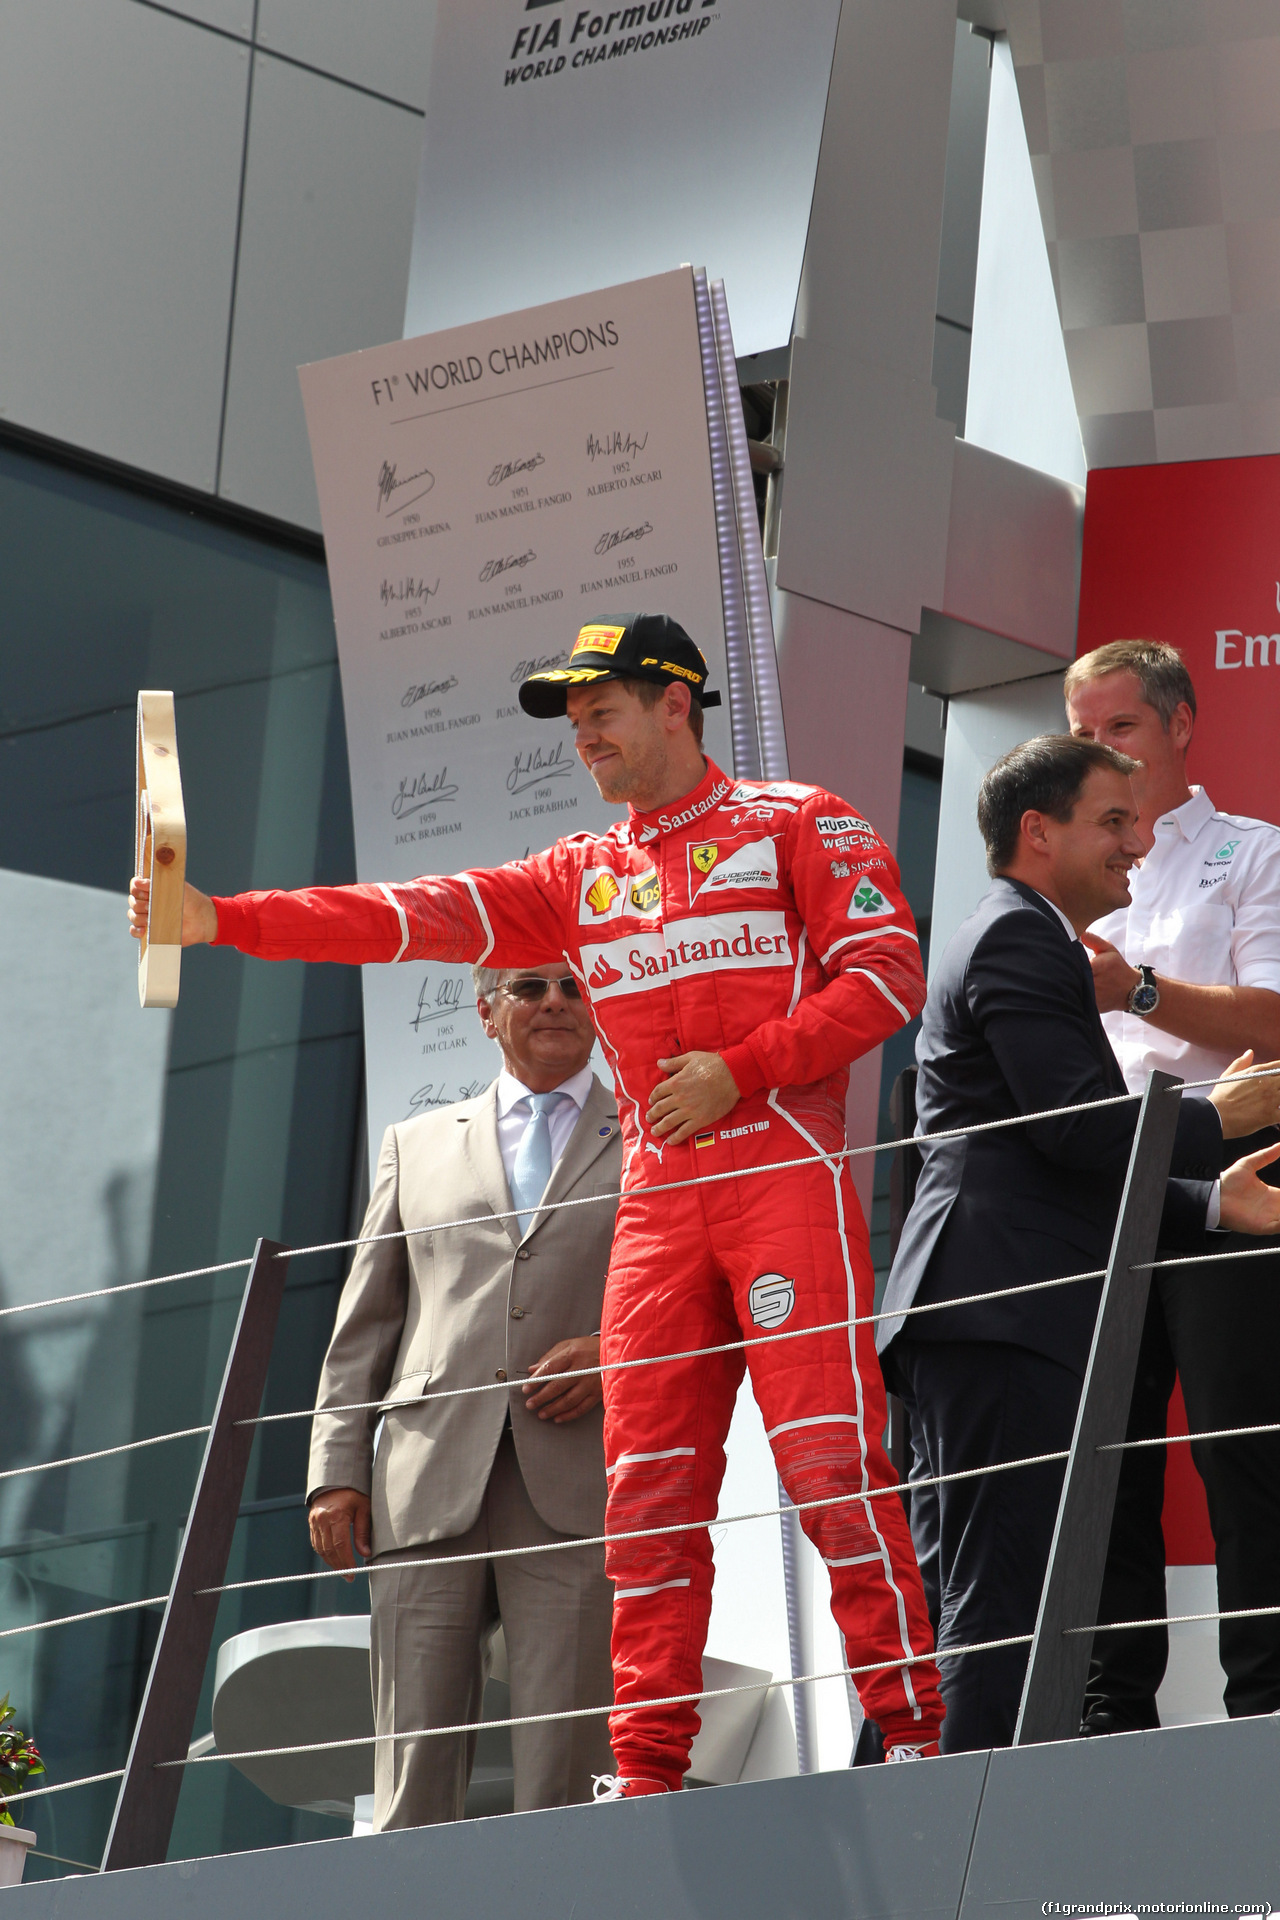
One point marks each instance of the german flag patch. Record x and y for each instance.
(704, 1139)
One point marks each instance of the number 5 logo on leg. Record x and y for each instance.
(160, 849)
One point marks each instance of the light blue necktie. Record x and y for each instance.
(532, 1170)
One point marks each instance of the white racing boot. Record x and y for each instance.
(612, 1786)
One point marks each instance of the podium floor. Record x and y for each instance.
(1185, 1816)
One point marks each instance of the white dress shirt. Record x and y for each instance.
(1205, 909)
(1213, 1212)
(561, 1121)
(1070, 931)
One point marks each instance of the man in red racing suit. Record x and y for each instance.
(764, 922)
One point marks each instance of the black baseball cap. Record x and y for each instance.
(632, 646)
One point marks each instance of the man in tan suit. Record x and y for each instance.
(496, 1300)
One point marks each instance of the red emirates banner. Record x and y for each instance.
(1190, 554)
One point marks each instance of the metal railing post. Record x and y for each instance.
(148, 1797)
(1058, 1664)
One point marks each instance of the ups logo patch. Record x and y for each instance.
(645, 893)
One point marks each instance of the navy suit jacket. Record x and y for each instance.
(1011, 1026)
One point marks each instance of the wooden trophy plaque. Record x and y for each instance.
(160, 849)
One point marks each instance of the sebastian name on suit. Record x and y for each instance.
(1011, 1026)
(496, 1300)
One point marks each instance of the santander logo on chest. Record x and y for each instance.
(661, 956)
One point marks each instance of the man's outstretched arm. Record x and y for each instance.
(505, 916)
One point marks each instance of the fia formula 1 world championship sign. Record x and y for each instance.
(538, 53)
(570, 147)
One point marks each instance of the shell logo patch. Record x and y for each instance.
(602, 893)
(645, 892)
(772, 1299)
(868, 902)
(704, 858)
(597, 639)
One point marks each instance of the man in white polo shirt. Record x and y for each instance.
(1187, 979)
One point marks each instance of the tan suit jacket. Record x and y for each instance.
(461, 1308)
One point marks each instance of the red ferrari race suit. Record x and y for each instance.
(766, 923)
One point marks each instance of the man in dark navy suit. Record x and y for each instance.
(1011, 1026)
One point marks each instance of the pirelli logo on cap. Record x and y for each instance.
(597, 640)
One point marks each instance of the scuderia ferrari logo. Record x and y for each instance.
(717, 865)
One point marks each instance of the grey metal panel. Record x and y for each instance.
(384, 45)
(962, 197)
(949, 658)
(324, 255)
(231, 16)
(844, 684)
(1183, 1815)
(871, 1842)
(121, 132)
(870, 275)
(865, 494)
(1013, 555)
(622, 153)
(951, 349)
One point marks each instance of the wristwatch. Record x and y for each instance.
(1145, 997)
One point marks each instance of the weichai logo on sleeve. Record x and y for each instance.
(597, 639)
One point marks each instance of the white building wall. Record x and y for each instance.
(197, 198)
(980, 727)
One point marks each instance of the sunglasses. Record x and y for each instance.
(532, 987)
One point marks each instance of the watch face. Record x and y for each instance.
(1144, 999)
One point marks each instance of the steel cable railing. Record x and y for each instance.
(641, 1706)
(672, 1186)
(590, 1199)
(638, 1196)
